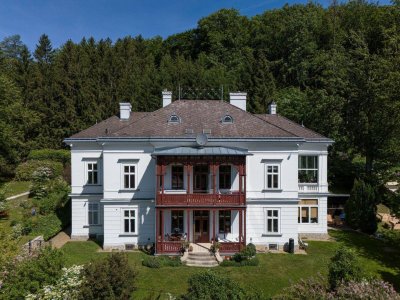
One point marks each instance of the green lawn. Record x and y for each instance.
(15, 187)
(275, 271)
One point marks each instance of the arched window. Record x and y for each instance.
(227, 119)
(174, 119)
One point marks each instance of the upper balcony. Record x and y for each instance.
(201, 180)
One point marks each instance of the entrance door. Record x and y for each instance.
(201, 226)
(200, 173)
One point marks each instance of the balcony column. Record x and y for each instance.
(188, 171)
(244, 213)
(240, 226)
(162, 224)
(214, 229)
(188, 224)
(157, 228)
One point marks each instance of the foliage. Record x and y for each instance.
(54, 195)
(313, 288)
(247, 253)
(209, 285)
(248, 262)
(61, 155)
(161, 261)
(110, 278)
(361, 207)
(343, 267)
(31, 275)
(25, 171)
(2, 201)
(8, 250)
(316, 288)
(67, 287)
(48, 225)
(366, 289)
(215, 247)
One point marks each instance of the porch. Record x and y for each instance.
(201, 228)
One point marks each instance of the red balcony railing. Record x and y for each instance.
(201, 199)
(230, 247)
(169, 247)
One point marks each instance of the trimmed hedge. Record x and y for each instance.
(62, 156)
(25, 170)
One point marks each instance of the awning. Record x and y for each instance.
(200, 151)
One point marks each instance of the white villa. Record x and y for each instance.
(198, 171)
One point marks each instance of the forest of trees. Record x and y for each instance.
(335, 69)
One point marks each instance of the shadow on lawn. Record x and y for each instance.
(385, 254)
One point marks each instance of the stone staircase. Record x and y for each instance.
(201, 256)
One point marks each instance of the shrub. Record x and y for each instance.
(2, 201)
(62, 156)
(30, 275)
(209, 285)
(364, 289)
(161, 261)
(110, 278)
(48, 225)
(24, 171)
(248, 252)
(343, 267)
(67, 287)
(361, 207)
(306, 289)
(248, 262)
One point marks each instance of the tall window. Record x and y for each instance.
(308, 169)
(130, 221)
(272, 176)
(93, 211)
(308, 211)
(92, 173)
(272, 220)
(225, 177)
(224, 221)
(129, 176)
(177, 177)
(177, 221)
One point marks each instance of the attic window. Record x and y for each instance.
(227, 119)
(174, 119)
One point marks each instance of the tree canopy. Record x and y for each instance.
(335, 69)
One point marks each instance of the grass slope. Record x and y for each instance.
(275, 271)
(15, 187)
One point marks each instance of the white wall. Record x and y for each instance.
(80, 228)
(113, 225)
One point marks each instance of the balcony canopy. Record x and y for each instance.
(187, 151)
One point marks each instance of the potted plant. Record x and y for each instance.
(185, 246)
(215, 247)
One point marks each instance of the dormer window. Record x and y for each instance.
(174, 119)
(227, 119)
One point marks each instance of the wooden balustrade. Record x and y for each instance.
(169, 247)
(231, 247)
(201, 199)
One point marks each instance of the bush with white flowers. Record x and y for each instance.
(67, 287)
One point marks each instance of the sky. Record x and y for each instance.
(74, 19)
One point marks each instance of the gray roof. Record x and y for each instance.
(196, 117)
(200, 151)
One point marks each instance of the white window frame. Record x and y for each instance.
(92, 162)
(123, 218)
(308, 169)
(308, 206)
(129, 164)
(91, 211)
(266, 217)
(267, 173)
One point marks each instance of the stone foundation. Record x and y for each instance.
(79, 237)
(314, 236)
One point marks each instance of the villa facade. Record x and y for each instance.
(198, 171)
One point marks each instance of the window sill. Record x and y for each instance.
(87, 184)
(272, 234)
(128, 190)
(308, 183)
(272, 190)
(93, 225)
(128, 235)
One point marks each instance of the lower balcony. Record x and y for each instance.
(177, 247)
